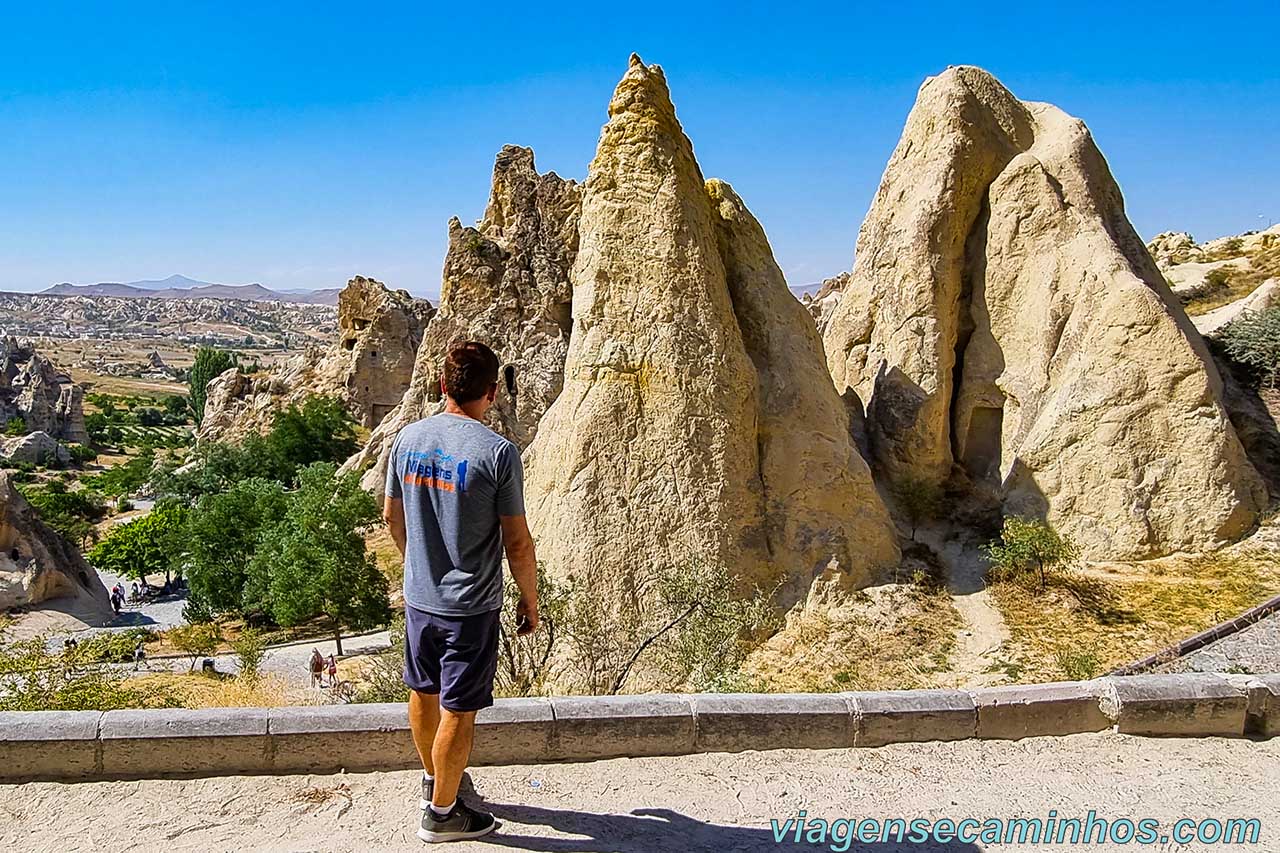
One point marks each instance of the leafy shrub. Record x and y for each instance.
(34, 679)
(199, 639)
(110, 646)
(1026, 545)
(251, 648)
(1253, 340)
(15, 426)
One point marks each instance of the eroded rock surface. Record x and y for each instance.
(1004, 316)
(368, 368)
(36, 564)
(44, 397)
(506, 283)
(696, 424)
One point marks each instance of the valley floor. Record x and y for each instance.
(695, 803)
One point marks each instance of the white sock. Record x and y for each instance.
(428, 776)
(443, 811)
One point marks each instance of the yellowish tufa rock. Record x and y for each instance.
(1003, 316)
(696, 422)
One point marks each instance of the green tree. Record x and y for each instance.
(176, 404)
(72, 513)
(221, 536)
(199, 639)
(314, 561)
(1027, 544)
(150, 545)
(15, 426)
(125, 478)
(208, 364)
(320, 430)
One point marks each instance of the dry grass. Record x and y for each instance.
(1113, 616)
(1239, 283)
(203, 691)
(886, 637)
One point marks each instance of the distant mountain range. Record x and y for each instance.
(181, 287)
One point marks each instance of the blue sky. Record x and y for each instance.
(299, 144)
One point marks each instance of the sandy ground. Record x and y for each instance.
(708, 802)
(983, 631)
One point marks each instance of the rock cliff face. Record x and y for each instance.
(36, 564)
(696, 423)
(368, 369)
(33, 389)
(506, 283)
(1004, 315)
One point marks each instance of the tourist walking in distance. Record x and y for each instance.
(454, 501)
(316, 667)
(333, 671)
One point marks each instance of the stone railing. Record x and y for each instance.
(88, 745)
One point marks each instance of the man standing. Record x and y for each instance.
(454, 499)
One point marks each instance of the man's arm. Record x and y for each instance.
(524, 568)
(393, 515)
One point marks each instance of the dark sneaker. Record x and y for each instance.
(461, 823)
(428, 788)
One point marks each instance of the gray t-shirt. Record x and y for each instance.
(455, 476)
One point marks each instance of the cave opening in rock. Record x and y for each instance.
(509, 376)
(983, 441)
(349, 344)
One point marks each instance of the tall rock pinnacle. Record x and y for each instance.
(696, 423)
(1004, 317)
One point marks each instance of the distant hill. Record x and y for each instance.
(181, 287)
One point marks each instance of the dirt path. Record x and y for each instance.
(983, 632)
(721, 803)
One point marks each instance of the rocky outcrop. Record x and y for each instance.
(822, 304)
(697, 425)
(36, 564)
(506, 283)
(368, 369)
(44, 397)
(36, 448)
(1003, 316)
(1267, 296)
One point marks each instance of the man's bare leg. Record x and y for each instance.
(450, 753)
(424, 720)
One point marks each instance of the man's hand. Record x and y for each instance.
(524, 570)
(526, 616)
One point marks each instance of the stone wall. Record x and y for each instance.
(88, 745)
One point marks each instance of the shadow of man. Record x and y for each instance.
(648, 830)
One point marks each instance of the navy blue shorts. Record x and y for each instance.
(454, 656)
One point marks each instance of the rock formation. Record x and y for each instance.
(697, 423)
(36, 564)
(506, 283)
(34, 448)
(1004, 315)
(368, 369)
(823, 303)
(1267, 296)
(33, 389)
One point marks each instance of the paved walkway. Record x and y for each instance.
(720, 803)
(1255, 649)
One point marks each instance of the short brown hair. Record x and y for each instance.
(470, 370)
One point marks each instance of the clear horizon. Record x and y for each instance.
(298, 146)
